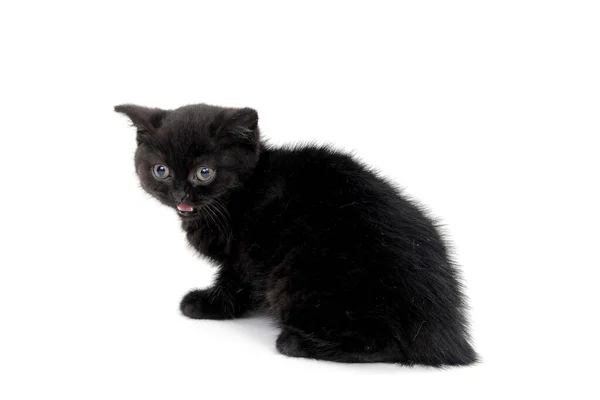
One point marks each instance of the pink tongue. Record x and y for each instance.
(184, 207)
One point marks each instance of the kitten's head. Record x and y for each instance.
(189, 157)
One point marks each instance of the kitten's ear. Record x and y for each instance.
(145, 119)
(242, 123)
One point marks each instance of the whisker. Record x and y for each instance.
(225, 213)
(213, 224)
(214, 218)
(222, 218)
(223, 221)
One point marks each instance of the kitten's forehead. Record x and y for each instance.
(191, 132)
(193, 116)
(190, 129)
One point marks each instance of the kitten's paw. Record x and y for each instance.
(209, 304)
(290, 344)
(192, 304)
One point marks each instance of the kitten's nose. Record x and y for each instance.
(180, 195)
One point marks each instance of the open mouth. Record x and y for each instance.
(186, 210)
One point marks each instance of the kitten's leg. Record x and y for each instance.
(320, 319)
(294, 343)
(226, 299)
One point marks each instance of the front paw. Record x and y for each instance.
(213, 303)
(193, 304)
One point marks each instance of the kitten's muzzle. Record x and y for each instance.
(180, 195)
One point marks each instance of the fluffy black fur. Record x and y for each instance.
(351, 270)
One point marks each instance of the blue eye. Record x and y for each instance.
(205, 174)
(160, 171)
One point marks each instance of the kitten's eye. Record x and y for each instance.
(160, 171)
(205, 174)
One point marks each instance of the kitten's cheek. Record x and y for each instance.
(139, 170)
(145, 187)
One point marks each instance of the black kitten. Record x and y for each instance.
(351, 270)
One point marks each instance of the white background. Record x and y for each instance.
(488, 112)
